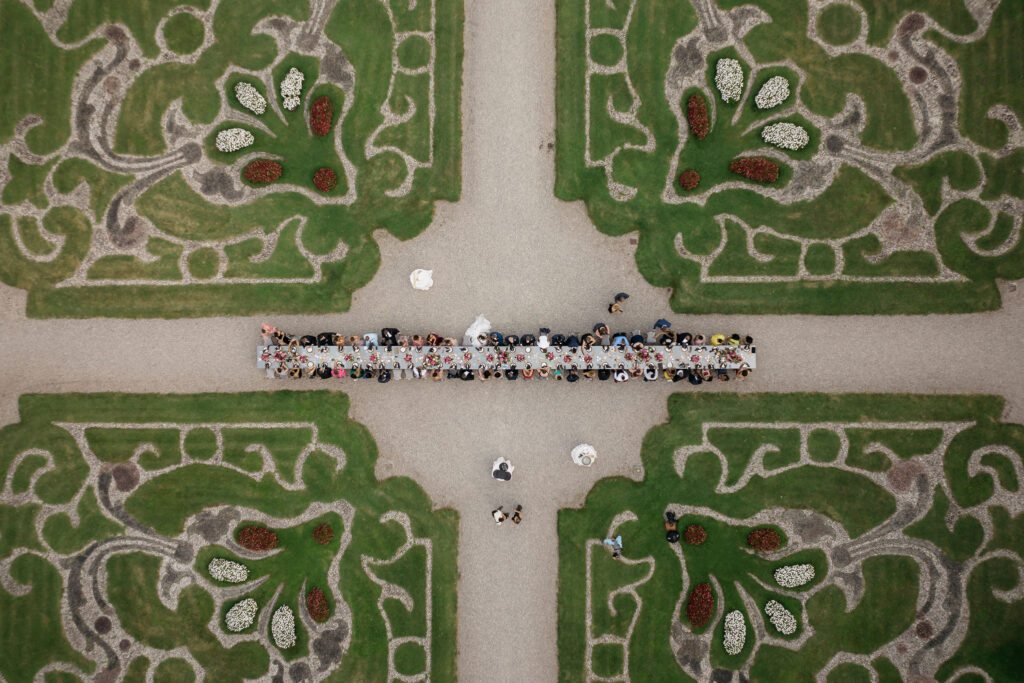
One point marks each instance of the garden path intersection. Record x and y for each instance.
(510, 250)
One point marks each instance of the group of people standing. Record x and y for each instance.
(501, 470)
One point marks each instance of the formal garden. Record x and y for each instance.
(821, 537)
(198, 158)
(231, 536)
(792, 156)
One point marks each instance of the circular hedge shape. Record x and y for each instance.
(256, 538)
(323, 534)
(695, 534)
(605, 49)
(262, 171)
(204, 263)
(325, 180)
(838, 24)
(689, 179)
(414, 52)
(183, 33)
(764, 539)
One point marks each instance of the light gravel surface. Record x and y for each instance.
(511, 251)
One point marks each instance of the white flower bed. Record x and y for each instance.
(241, 616)
(735, 632)
(291, 88)
(226, 570)
(773, 93)
(785, 136)
(234, 139)
(794, 575)
(781, 618)
(250, 98)
(729, 79)
(282, 627)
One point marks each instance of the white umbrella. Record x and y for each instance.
(422, 279)
(584, 455)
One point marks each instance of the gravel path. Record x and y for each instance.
(445, 436)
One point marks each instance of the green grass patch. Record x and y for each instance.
(183, 33)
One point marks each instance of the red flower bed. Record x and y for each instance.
(697, 115)
(321, 114)
(257, 538)
(262, 171)
(756, 168)
(317, 606)
(700, 606)
(325, 180)
(695, 534)
(689, 179)
(764, 539)
(323, 534)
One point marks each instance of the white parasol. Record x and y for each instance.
(584, 455)
(422, 279)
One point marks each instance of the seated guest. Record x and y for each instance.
(717, 339)
(636, 372)
(666, 338)
(436, 374)
(723, 375)
(483, 375)
(695, 378)
(573, 341)
(384, 376)
(542, 341)
(528, 372)
(338, 370)
(453, 373)
(680, 374)
(699, 340)
(588, 340)
(544, 371)
(496, 373)
(370, 340)
(743, 373)
(621, 375)
(307, 340)
(465, 374)
(590, 373)
(662, 324)
(637, 341)
(558, 340)
(497, 339)
(748, 340)
(684, 339)
(559, 373)
(324, 371)
(734, 339)
(388, 336)
(295, 373)
(433, 339)
(403, 340)
(601, 330)
(528, 340)
(705, 374)
(338, 339)
(325, 339)
(511, 373)
(417, 340)
(572, 375)
(369, 373)
(604, 374)
(620, 339)
(511, 340)
(650, 373)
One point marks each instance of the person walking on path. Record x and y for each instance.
(517, 515)
(502, 469)
(613, 544)
(615, 307)
(498, 515)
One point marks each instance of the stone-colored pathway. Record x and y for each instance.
(510, 250)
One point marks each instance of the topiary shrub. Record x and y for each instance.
(323, 534)
(262, 171)
(316, 605)
(697, 115)
(257, 538)
(756, 168)
(695, 534)
(320, 115)
(700, 606)
(325, 180)
(689, 179)
(764, 540)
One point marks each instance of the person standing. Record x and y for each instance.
(613, 544)
(517, 515)
(498, 515)
(501, 469)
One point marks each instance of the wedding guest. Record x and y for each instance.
(498, 515)
(542, 340)
(528, 372)
(528, 340)
(501, 469)
(650, 373)
(614, 308)
(614, 545)
(734, 339)
(620, 297)
(717, 339)
(604, 374)
(662, 324)
(417, 340)
(621, 375)
(517, 514)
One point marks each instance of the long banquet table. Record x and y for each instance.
(473, 357)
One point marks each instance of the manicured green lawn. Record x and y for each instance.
(186, 219)
(819, 256)
(181, 482)
(820, 484)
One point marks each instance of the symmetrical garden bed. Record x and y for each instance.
(796, 155)
(205, 535)
(839, 537)
(223, 160)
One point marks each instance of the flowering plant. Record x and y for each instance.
(764, 539)
(794, 575)
(629, 356)
(695, 534)
(321, 115)
(782, 619)
(490, 358)
(689, 179)
(567, 358)
(659, 357)
(282, 627)
(700, 606)
(643, 354)
(588, 359)
(241, 615)
(250, 98)
(226, 570)
(773, 93)
(729, 79)
(735, 632)
(325, 180)
(697, 115)
(408, 358)
(262, 171)
(550, 355)
(323, 533)
(316, 605)
(756, 168)
(349, 357)
(374, 357)
(291, 88)
(785, 136)
(468, 356)
(234, 139)
(520, 357)
(257, 538)
(447, 360)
